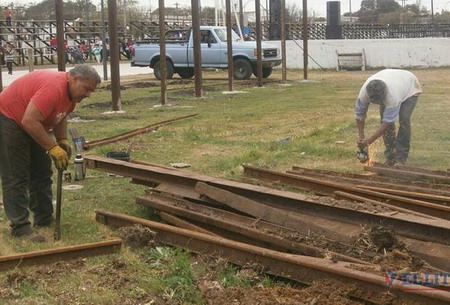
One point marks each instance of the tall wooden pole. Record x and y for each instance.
(258, 42)
(283, 41)
(162, 52)
(229, 46)
(60, 35)
(305, 39)
(114, 55)
(197, 47)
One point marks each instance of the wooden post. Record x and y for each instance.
(30, 60)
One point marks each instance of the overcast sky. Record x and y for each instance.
(319, 7)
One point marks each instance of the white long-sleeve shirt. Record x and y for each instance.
(400, 85)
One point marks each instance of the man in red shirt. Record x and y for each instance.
(33, 128)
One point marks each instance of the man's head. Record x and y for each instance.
(376, 90)
(82, 81)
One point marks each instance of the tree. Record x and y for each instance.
(293, 13)
(371, 10)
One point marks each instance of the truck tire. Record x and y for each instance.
(266, 72)
(242, 69)
(185, 73)
(157, 70)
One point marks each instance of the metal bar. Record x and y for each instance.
(280, 217)
(417, 170)
(445, 200)
(345, 195)
(407, 225)
(175, 221)
(328, 188)
(132, 133)
(405, 174)
(299, 268)
(59, 254)
(57, 233)
(373, 180)
(114, 55)
(251, 228)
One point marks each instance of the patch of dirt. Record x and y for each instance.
(122, 87)
(106, 104)
(137, 236)
(324, 293)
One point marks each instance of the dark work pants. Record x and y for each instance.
(26, 178)
(397, 145)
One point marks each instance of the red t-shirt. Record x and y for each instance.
(47, 90)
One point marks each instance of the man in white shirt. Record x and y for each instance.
(396, 91)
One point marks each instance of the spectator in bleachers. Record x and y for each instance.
(8, 13)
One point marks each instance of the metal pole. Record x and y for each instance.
(283, 41)
(305, 39)
(197, 47)
(105, 64)
(229, 45)
(114, 55)
(60, 35)
(162, 52)
(258, 42)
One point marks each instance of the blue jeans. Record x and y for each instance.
(26, 178)
(397, 145)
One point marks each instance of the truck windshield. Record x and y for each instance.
(222, 34)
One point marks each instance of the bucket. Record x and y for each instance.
(119, 155)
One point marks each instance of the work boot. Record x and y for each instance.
(32, 236)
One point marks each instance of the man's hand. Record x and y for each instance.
(363, 143)
(64, 144)
(59, 156)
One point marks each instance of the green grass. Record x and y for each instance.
(309, 124)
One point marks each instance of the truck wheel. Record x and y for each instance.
(242, 69)
(185, 73)
(266, 72)
(157, 70)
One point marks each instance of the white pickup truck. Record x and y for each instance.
(180, 53)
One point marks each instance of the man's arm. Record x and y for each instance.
(378, 133)
(32, 124)
(360, 124)
(60, 130)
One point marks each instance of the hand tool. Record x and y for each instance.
(57, 233)
(362, 154)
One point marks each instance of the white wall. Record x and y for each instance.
(380, 53)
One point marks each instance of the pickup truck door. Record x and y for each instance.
(210, 47)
